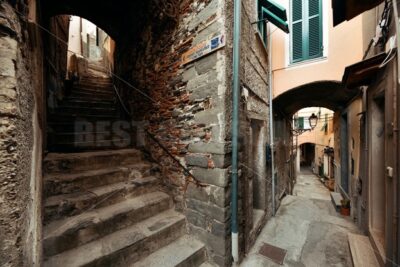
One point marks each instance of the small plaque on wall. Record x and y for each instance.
(204, 48)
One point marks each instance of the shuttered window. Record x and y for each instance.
(262, 25)
(306, 29)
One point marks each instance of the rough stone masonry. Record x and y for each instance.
(18, 246)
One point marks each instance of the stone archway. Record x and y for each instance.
(329, 94)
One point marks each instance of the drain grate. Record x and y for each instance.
(273, 253)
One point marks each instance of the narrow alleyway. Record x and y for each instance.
(308, 227)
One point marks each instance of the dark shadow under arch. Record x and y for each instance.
(327, 94)
(120, 19)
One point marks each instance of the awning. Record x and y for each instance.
(363, 72)
(347, 9)
(274, 13)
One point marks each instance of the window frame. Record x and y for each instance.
(262, 25)
(305, 32)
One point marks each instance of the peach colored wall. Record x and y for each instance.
(321, 139)
(343, 46)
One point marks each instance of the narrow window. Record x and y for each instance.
(306, 30)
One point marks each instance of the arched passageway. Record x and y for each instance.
(328, 94)
(318, 156)
(101, 182)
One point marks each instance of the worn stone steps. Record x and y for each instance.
(72, 113)
(68, 117)
(86, 125)
(88, 98)
(97, 66)
(84, 110)
(66, 183)
(185, 251)
(74, 162)
(60, 206)
(91, 93)
(76, 146)
(77, 102)
(89, 136)
(125, 246)
(97, 82)
(75, 231)
(207, 264)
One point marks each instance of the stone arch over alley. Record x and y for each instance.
(329, 94)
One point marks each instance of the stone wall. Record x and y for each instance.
(19, 198)
(184, 108)
(256, 187)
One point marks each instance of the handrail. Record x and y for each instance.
(186, 171)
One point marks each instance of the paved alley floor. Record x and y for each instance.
(308, 227)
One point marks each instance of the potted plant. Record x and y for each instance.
(345, 208)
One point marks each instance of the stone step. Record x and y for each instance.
(61, 183)
(362, 253)
(186, 251)
(90, 98)
(87, 146)
(90, 93)
(99, 67)
(125, 246)
(93, 84)
(74, 162)
(87, 125)
(95, 80)
(93, 90)
(65, 117)
(75, 231)
(87, 103)
(61, 206)
(85, 111)
(89, 137)
(207, 264)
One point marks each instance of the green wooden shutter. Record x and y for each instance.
(306, 20)
(300, 123)
(297, 30)
(314, 28)
(262, 25)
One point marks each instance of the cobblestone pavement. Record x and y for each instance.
(308, 227)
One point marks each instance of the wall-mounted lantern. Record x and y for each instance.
(313, 121)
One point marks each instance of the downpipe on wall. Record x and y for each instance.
(235, 128)
(271, 119)
(397, 126)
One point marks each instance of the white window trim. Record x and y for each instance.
(325, 38)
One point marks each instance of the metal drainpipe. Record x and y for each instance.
(235, 127)
(271, 120)
(396, 125)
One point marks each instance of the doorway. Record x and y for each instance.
(377, 173)
(344, 152)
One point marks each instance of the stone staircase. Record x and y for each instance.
(83, 120)
(104, 205)
(107, 208)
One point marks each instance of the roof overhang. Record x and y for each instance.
(363, 72)
(347, 9)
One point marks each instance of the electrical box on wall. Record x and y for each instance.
(389, 172)
(391, 44)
